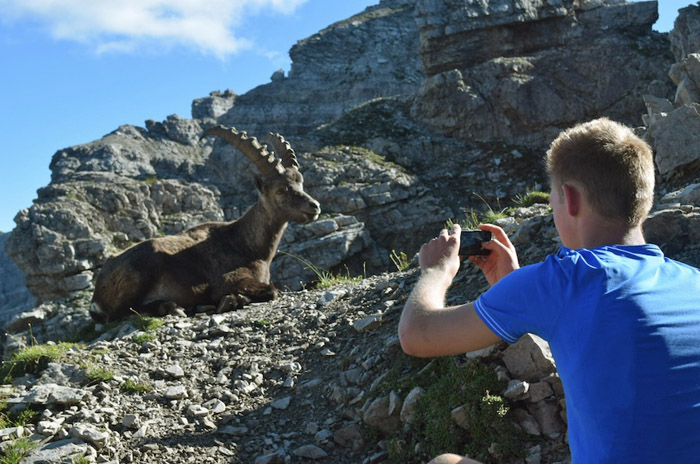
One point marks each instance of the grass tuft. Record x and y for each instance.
(17, 450)
(32, 359)
(130, 386)
(400, 260)
(326, 278)
(531, 198)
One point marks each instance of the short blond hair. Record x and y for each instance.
(614, 166)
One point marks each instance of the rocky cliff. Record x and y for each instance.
(477, 92)
(402, 79)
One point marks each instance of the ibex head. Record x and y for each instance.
(281, 185)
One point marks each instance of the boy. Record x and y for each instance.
(623, 321)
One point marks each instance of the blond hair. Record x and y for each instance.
(614, 166)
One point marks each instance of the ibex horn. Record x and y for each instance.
(283, 150)
(250, 147)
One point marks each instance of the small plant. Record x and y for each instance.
(531, 198)
(449, 382)
(17, 450)
(262, 323)
(150, 180)
(145, 323)
(326, 278)
(24, 417)
(400, 260)
(144, 337)
(98, 374)
(32, 359)
(130, 386)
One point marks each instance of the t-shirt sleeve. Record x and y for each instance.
(525, 301)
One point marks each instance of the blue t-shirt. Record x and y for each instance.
(623, 323)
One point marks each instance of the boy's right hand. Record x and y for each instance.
(503, 259)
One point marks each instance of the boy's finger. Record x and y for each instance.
(498, 233)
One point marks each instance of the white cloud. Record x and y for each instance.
(128, 25)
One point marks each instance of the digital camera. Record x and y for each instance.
(470, 242)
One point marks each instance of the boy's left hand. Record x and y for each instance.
(441, 254)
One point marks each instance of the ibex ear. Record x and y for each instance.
(258, 182)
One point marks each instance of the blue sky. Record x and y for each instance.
(72, 71)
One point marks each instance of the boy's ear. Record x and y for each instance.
(572, 197)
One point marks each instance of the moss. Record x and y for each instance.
(450, 382)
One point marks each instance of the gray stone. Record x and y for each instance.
(56, 452)
(530, 359)
(408, 410)
(281, 403)
(350, 436)
(90, 435)
(368, 323)
(55, 394)
(673, 138)
(460, 416)
(176, 392)
(310, 452)
(377, 415)
(517, 390)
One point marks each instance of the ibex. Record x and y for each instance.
(204, 264)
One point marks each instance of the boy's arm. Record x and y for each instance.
(426, 327)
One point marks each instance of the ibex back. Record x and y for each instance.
(220, 264)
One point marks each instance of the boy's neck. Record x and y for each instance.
(602, 232)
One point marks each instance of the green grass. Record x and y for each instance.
(32, 359)
(98, 374)
(531, 198)
(400, 260)
(146, 323)
(324, 277)
(130, 386)
(144, 338)
(17, 450)
(150, 180)
(450, 382)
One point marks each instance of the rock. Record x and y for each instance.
(14, 295)
(672, 138)
(90, 435)
(176, 392)
(517, 390)
(378, 414)
(408, 410)
(368, 323)
(350, 436)
(282, 403)
(460, 416)
(58, 451)
(689, 195)
(539, 391)
(546, 413)
(485, 62)
(310, 452)
(530, 359)
(213, 106)
(55, 394)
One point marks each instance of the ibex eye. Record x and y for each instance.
(282, 191)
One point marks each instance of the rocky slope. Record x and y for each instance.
(318, 373)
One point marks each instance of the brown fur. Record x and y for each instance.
(208, 262)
